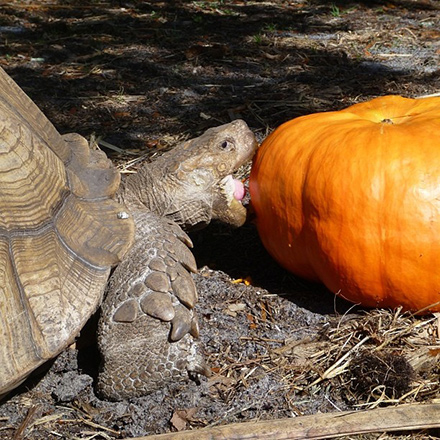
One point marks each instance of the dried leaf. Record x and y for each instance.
(181, 417)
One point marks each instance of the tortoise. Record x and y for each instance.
(66, 220)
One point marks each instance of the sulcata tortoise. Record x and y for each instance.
(66, 220)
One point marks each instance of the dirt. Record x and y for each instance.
(142, 76)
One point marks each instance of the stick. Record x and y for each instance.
(319, 426)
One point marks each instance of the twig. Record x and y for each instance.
(319, 426)
(25, 423)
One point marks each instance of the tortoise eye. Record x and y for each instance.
(227, 145)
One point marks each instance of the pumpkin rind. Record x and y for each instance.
(352, 199)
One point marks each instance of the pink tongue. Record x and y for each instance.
(239, 191)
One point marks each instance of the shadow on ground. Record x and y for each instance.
(132, 71)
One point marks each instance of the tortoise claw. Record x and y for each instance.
(181, 324)
(185, 289)
(195, 329)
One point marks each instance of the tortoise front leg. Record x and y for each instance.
(148, 327)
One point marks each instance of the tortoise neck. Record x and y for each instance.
(156, 188)
(145, 190)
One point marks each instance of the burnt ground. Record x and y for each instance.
(144, 75)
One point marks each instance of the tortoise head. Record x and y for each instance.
(193, 184)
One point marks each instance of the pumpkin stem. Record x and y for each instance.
(387, 121)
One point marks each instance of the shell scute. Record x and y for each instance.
(59, 234)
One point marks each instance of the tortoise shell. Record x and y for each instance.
(60, 233)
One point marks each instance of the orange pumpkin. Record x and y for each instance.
(352, 199)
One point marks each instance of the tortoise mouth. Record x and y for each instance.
(229, 207)
(233, 189)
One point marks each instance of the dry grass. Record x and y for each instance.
(370, 359)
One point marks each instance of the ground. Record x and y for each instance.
(141, 76)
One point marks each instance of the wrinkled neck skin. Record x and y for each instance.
(156, 190)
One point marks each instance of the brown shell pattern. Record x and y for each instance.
(60, 233)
